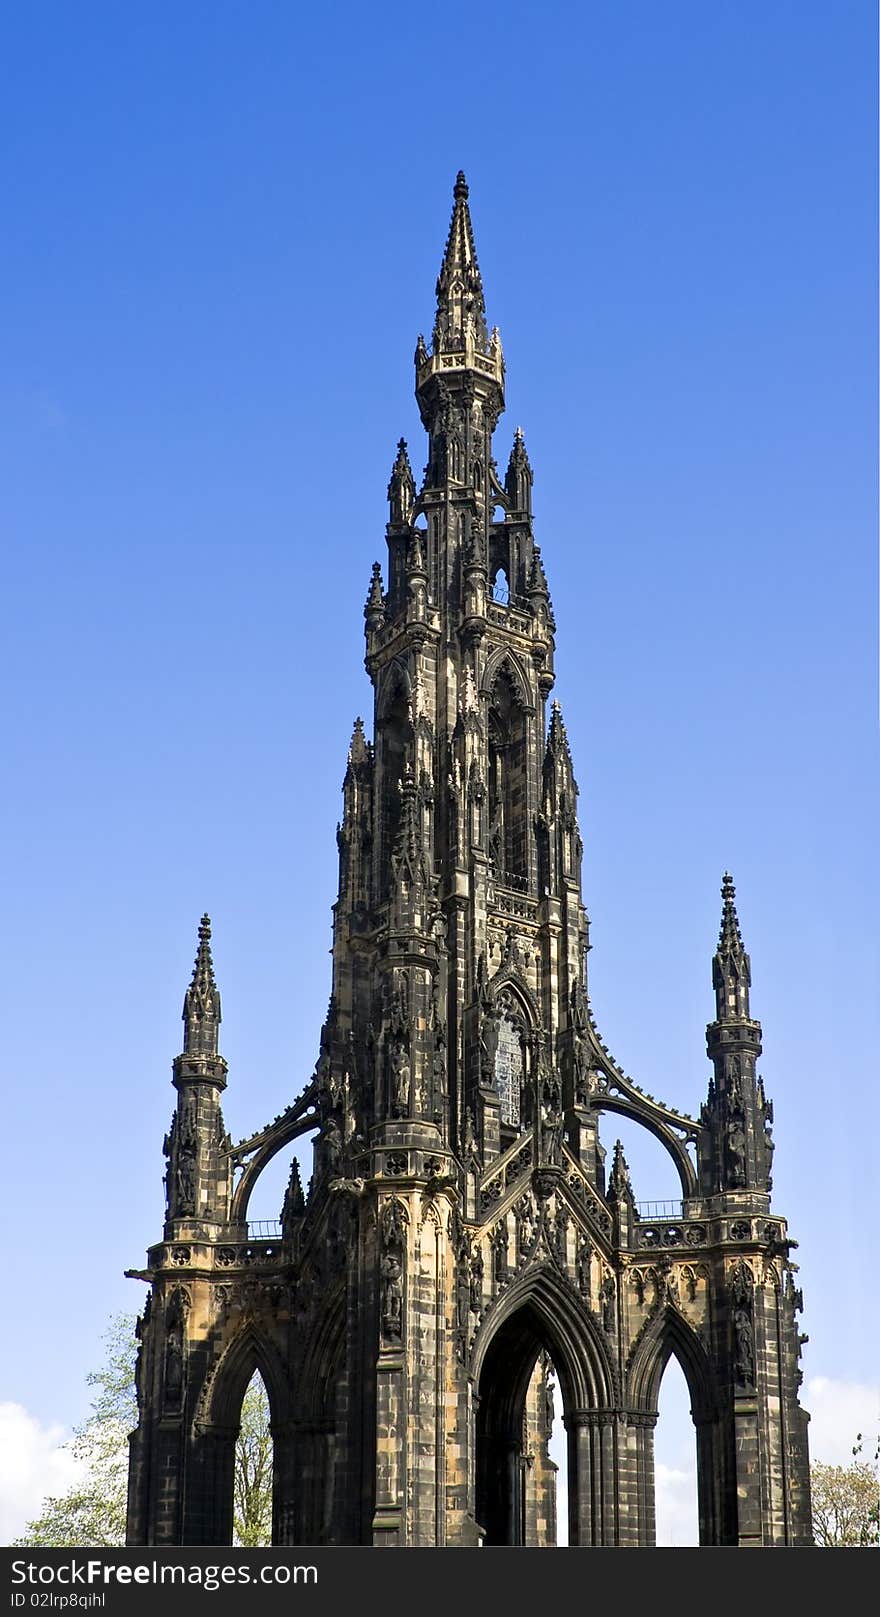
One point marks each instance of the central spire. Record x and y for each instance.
(461, 309)
(463, 351)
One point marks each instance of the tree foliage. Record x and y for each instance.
(252, 1508)
(846, 1501)
(92, 1512)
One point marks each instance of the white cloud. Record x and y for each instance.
(838, 1411)
(675, 1499)
(33, 1464)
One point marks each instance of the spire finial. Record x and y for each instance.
(374, 610)
(461, 310)
(731, 967)
(519, 479)
(730, 937)
(401, 488)
(201, 1005)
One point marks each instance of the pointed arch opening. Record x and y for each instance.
(539, 1364)
(676, 1510)
(508, 784)
(244, 1410)
(517, 1474)
(394, 753)
(253, 1469)
(681, 1498)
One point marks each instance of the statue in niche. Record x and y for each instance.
(463, 1293)
(174, 1361)
(476, 1280)
(468, 1137)
(331, 1145)
(186, 1179)
(765, 1107)
(606, 1300)
(742, 1293)
(736, 1146)
(400, 1076)
(525, 1225)
(551, 1121)
(174, 1367)
(438, 1069)
(489, 1029)
(499, 1254)
(549, 1404)
(584, 1265)
(584, 1077)
(392, 1295)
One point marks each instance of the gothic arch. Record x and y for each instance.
(540, 1312)
(396, 681)
(666, 1333)
(603, 1102)
(249, 1350)
(509, 979)
(277, 1137)
(563, 1325)
(503, 660)
(321, 1359)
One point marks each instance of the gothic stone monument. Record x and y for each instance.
(460, 1233)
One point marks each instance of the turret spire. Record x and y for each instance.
(731, 967)
(201, 1005)
(461, 310)
(519, 479)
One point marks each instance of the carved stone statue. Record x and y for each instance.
(742, 1295)
(606, 1299)
(488, 1047)
(736, 1147)
(400, 1077)
(392, 1295)
(468, 1137)
(477, 1281)
(583, 1264)
(186, 1180)
(174, 1366)
(331, 1142)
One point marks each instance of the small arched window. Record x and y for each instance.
(509, 1063)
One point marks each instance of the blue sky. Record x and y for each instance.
(222, 229)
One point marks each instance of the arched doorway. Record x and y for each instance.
(670, 1336)
(516, 1474)
(676, 1512)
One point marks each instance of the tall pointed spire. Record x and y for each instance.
(358, 750)
(520, 477)
(731, 967)
(461, 310)
(201, 1005)
(557, 738)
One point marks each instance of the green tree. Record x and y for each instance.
(846, 1501)
(92, 1512)
(252, 1508)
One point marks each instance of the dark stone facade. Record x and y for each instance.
(460, 1230)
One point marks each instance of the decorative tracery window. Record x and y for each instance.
(509, 1063)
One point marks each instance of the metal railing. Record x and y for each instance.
(264, 1229)
(660, 1209)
